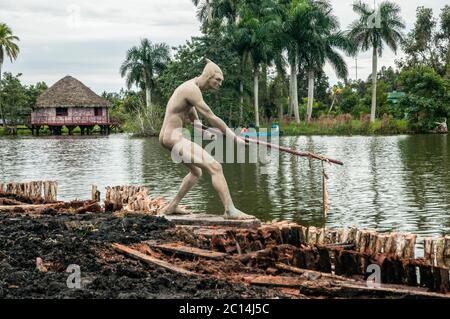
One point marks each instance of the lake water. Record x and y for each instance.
(387, 183)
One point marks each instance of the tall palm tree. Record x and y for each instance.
(368, 34)
(204, 10)
(11, 50)
(256, 25)
(142, 64)
(319, 38)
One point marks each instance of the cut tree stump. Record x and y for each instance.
(212, 220)
(151, 260)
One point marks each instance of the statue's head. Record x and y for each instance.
(212, 75)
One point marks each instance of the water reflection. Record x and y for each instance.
(387, 183)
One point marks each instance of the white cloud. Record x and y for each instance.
(93, 48)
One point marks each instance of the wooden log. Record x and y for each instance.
(440, 249)
(392, 270)
(401, 244)
(391, 244)
(410, 246)
(364, 241)
(30, 208)
(372, 246)
(318, 274)
(380, 244)
(295, 238)
(342, 236)
(312, 236)
(346, 263)
(426, 276)
(151, 260)
(441, 279)
(330, 237)
(323, 263)
(275, 281)
(2, 187)
(321, 236)
(410, 274)
(351, 239)
(95, 194)
(447, 247)
(180, 249)
(428, 249)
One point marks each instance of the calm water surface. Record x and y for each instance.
(387, 183)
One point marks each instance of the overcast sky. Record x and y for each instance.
(88, 39)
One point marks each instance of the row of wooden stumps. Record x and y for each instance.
(344, 252)
(37, 190)
(130, 198)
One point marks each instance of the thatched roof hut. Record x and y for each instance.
(69, 92)
(70, 103)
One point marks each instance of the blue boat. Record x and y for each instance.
(275, 131)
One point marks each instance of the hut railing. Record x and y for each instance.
(69, 120)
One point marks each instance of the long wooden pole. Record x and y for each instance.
(288, 150)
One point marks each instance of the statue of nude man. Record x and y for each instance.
(183, 106)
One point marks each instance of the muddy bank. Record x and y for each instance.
(85, 240)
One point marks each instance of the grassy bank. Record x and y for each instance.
(351, 127)
(335, 126)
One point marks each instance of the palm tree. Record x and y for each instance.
(142, 64)
(255, 25)
(371, 30)
(319, 38)
(11, 49)
(204, 10)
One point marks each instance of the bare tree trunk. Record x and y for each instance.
(374, 85)
(148, 98)
(141, 121)
(310, 95)
(291, 82)
(241, 93)
(294, 90)
(209, 11)
(1, 105)
(256, 95)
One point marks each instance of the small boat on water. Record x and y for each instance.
(274, 131)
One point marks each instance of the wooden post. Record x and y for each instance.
(391, 244)
(312, 235)
(352, 235)
(447, 247)
(381, 242)
(95, 194)
(410, 245)
(372, 247)
(428, 249)
(440, 247)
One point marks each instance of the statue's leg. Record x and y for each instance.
(203, 160)
(188, 182)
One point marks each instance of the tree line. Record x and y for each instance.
(273, 53)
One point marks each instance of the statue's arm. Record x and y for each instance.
(200, 105)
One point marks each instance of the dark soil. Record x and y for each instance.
(85, 240)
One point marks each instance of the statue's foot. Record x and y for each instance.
(235, 213)
(178, 210)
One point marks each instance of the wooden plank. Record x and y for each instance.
(307, 271)
(190, 251)
(212, 220)
(27, 208)
(150, 260)
(275, 281)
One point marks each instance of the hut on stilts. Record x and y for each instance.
(70, 103)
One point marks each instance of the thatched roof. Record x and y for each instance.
(69, 92)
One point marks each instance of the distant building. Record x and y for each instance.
(394, 96)
(70, 103)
